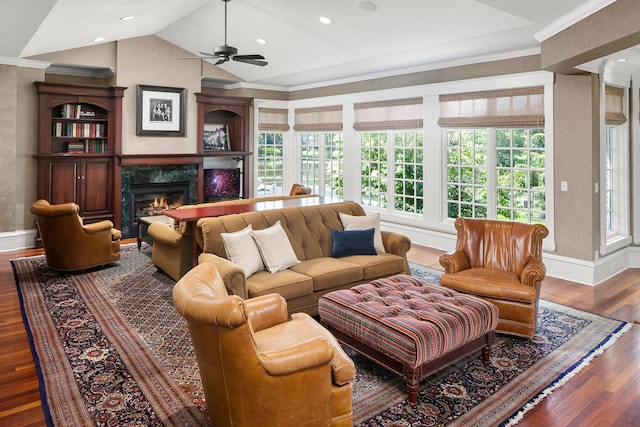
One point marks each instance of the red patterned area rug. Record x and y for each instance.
(111, 350)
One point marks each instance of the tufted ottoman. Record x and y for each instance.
(408, 326)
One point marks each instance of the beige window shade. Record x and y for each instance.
(522, 107)
(614, 105)
(318, 119)
(383, 115)
(273, 119)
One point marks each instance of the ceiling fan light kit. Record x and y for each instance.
(225, 52)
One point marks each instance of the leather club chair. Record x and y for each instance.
(500, 262)
(299, 190)
(258, 366)
(71, 245)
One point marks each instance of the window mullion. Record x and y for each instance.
(492, 174)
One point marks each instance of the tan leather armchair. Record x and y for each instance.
(71, 245)
(299, 190)
(259, 367)
(500, 262)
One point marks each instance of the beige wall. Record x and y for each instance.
(575, 157)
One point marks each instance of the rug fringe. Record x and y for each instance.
(569, 373)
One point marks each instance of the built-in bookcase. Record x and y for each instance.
(79, 131)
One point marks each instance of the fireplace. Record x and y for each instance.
(151, 181)
(152, 199)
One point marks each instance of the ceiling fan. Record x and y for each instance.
(225, 52)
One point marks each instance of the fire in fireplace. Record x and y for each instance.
(152, 199)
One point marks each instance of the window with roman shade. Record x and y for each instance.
(506, 108)
(318, 119)
(273, 119)
(614, 105)
(387, 115)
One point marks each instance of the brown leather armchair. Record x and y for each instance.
(299, 190)
(71, 245)
(258, 366)
(500, 262)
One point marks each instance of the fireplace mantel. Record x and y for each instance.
(159, 159)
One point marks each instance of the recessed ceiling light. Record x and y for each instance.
(261, 41)
(621, 60)
(98, 39)
(367, 6)
(325, 20)
(126, 18)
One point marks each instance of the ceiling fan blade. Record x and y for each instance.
(249, 57)
(221, 61)
(239, 58)
(208, 54)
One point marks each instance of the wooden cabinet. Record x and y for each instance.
(79, 134)
(232, 115)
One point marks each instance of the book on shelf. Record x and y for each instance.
(74, 111)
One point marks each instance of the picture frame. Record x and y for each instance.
(160, 111)
(216, 137)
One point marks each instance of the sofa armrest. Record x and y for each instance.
(454, 261)
(266, 311)
(395, 243)
(533, 273)
(307, 354)
(232, 274)
(161, 233)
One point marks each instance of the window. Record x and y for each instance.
(495, 147)
(273, 122)
(615, 226)
(321, 149)
(270, 163)
(400, 163)
(391, 154)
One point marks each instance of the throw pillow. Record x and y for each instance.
(353, 242)
(275, 248)
(359, 222)
(242, 250)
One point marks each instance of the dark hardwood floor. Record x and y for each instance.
(605, 393)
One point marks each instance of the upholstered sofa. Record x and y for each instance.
(173, 246)
(500, 262)
(311, 232)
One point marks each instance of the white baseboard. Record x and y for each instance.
(21, 239)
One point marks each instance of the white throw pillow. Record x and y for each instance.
(242, 250)
(275, 248)
(359, 222)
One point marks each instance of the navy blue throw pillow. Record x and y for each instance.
(352, 242)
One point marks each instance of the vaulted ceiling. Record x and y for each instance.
(365, 37)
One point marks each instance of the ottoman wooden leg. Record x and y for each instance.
(486, 351)
(412, 378)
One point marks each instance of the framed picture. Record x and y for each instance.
(160, 111)
(216, 137)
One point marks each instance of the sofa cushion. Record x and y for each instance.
(329, 272)
(352, 242)
(287, 283)
(364, 222)
(242, 250)
(377, 266)
(485, 282)
(275, 248)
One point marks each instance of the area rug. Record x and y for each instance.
(111, 350)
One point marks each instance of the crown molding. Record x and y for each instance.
(576, 15)
(26, 63)
(80, 71)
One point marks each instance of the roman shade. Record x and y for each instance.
(273, 119)
(386, 115)
(312, 119)
(520, 107)
(614, 105)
